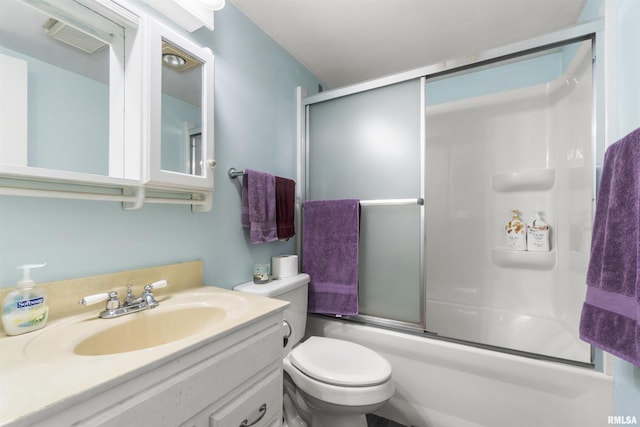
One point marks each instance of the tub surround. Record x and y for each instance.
(32, 384)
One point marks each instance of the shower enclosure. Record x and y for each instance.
(439, 158)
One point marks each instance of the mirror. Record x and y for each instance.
(181, 146)
(180, 140)
(58, 97)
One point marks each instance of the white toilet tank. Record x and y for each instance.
(291, 289)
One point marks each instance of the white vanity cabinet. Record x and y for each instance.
(220, 382)
(257, 403)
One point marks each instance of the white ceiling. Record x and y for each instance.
(349, 41)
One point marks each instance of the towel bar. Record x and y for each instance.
(392, 202)
(234, 173)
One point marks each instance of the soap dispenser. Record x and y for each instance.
(538, 234)
(516, 233)
(25, 309)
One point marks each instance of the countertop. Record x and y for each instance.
(30, 382)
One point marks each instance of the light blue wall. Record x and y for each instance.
(255, 127)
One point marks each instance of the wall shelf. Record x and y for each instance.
(524, 180)
(523, 259)
(18, 181)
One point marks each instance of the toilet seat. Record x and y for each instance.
(340, 363)
(335, 394)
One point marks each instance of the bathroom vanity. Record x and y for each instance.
(209, 357)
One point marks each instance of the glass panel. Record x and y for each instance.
(390, 262)
(367, 146)
(64, 74)
(181, 111)
(498, 139)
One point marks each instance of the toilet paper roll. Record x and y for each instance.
(284, 266)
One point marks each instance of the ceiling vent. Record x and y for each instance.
(71, 36)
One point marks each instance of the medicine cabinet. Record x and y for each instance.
(89, 111)
(180, 145)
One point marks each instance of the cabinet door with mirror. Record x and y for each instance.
(62, 91)
(180, 146)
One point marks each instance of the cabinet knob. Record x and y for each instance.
(212, 163)
(262, 411)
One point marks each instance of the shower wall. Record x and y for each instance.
(527, 149)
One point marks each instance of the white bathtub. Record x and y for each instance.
(443, 384)
(545, 335)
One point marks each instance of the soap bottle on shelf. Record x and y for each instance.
(516, 233)
(538, 234)
(25, 309)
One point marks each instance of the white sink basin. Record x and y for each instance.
(150, 329)
(179, 318)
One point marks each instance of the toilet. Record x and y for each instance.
(327, 382)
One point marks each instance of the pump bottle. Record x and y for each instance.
(538, 234)
(516, 233)
(25, 309)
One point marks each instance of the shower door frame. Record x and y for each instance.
(593, 31)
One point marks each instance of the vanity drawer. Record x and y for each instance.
(259, 404)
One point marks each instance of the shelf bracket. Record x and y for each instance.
(137, 194)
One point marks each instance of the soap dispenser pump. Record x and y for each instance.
(25, 309)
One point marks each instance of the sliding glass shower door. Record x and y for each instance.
(474, 144)
(368, 146)
(514, 135)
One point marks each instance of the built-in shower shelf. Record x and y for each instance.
(523, 259)
(524, 180)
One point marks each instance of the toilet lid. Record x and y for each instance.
(340, 362)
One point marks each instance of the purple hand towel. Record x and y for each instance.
(330, 255)
(259, 206)
(611, 312)
(285, 207)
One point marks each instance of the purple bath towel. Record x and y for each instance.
(611, 312)
(285, 207)
(259, 206)
(330, 236)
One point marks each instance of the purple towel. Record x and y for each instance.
(285, 207)
(259, 206)
(330, 236)
(611, 312)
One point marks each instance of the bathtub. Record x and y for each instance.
(548, 335)
(444, 384)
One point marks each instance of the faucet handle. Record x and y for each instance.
(156, 285)
(96, 298)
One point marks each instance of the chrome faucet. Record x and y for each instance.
(130, 304)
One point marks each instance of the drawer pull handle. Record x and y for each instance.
(262, 411)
